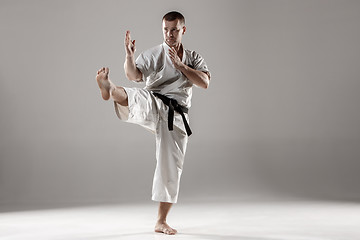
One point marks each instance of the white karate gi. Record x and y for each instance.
(160, 76)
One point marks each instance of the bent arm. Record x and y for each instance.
(197, 77)
(131, 71)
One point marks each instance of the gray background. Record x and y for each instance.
(280, 119)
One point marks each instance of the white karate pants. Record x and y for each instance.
(150, 112)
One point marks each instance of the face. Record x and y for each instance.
(173, 32)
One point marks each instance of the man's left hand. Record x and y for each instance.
(175, 58)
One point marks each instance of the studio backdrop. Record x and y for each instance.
(280, 118)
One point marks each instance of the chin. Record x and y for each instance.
(172, 44)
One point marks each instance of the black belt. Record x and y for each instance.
(174, 106)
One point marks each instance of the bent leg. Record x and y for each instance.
(140, 107)
(108, 89)
(119, 95)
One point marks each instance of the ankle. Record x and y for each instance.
(112, 89)
(161, 221)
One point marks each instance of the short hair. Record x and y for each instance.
(172, 16)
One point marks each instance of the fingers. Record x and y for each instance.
(173, 50)
(127, 37)
(176, 61)
(133, 48)
(172, 55)
(129, 44)
(172, 58)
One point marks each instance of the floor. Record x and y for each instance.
(293, 220)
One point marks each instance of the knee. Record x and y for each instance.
(120, 96)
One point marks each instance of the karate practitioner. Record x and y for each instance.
(169, 72)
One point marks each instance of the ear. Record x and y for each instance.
(184, 30)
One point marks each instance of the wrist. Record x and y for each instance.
(130, 57)
(183, 67)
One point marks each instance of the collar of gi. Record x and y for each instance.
(167, 48)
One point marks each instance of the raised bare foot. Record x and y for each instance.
(164, 228)
(104, 83)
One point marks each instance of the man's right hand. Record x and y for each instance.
(129, 45)
(131, 71)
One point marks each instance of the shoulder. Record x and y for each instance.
(192, 54)
(196, 61)
(149, 56)
(152, 52)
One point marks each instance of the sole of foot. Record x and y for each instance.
(104, 83)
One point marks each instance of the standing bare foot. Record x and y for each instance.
(162, 227)
(104, 83)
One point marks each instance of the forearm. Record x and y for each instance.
(131, 71)
(198, 78)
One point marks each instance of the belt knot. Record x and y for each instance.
(174, 106)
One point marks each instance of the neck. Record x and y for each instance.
(177, 46)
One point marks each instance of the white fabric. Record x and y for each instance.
(160, 75)
(150, 112)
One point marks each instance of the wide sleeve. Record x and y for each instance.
(144, 64)
(199, 63)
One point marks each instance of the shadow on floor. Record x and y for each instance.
(160, 236)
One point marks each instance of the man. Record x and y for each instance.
(169, 72)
